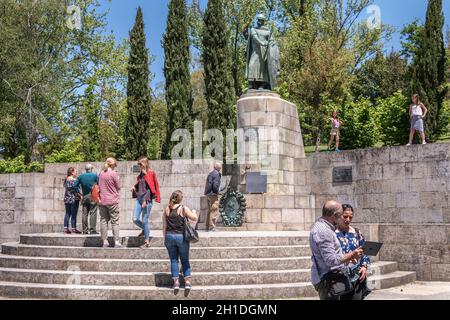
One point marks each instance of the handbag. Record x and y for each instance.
(95, 194)
(190, 234)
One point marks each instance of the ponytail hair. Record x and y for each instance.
(175, 198)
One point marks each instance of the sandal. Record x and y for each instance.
(145, 246)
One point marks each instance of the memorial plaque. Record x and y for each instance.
(136, 169)
(343, 175)
(256, 182)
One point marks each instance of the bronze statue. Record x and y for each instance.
(263, 56)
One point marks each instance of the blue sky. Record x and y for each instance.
(122, 14)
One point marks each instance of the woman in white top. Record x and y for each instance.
(417, 112)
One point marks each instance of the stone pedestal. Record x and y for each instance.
(270, 142)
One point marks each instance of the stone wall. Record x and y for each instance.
(401, 198)
(400, 194)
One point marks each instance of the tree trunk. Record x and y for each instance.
(318, 140)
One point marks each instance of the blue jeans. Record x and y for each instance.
(141, 217)
(178, 248)
(71, 214)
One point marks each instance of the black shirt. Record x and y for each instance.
(175, 222)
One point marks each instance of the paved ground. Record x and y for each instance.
(414, 291)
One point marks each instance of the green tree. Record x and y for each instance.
(381, 77)
(138, 93)
(220, 95)
(428, 68)
(58, 63)
(32, 55)
(323, 46)
(176, 71)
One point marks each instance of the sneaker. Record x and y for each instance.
(67, 231)
(408, 145)
(118, 245)
(338, 150)
(94, 232)
(188, 286)
(176, 288)
(76, 231)
(424, 143)
(106, 245)
(213, 230)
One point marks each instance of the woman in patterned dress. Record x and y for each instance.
(350, 239)
(72, 201)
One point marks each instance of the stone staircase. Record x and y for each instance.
(226, 265)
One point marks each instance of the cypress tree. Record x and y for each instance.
(176, 71)
(217, 64)
(138, 93)
(428, 69)
(90, 126)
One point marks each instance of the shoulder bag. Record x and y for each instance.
(336, 282)
(190, 234)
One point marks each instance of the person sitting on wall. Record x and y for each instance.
(212, 190)
(350, 239)
(327, 255)
(90, 208)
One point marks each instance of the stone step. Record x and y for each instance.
(207, 239)
(390, 280)
(382, 267)
(228, 292)
(152, 265)
(164, 279)
(152, 278)
(155, 252)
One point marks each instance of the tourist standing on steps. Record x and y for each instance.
(327, 255)
(350, 239)
(174, 222)
(71, 201)
(109, 186)
(90, 208)
(417, 112)
(145, 190)
(212, 190)
(335, 131)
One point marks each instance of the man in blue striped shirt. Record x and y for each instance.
(326, 249)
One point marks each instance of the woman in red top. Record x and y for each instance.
(146, 190)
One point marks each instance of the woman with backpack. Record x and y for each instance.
(72, 198)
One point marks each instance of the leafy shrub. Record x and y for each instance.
(361, 125)
(17, 165)
(394, 121)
